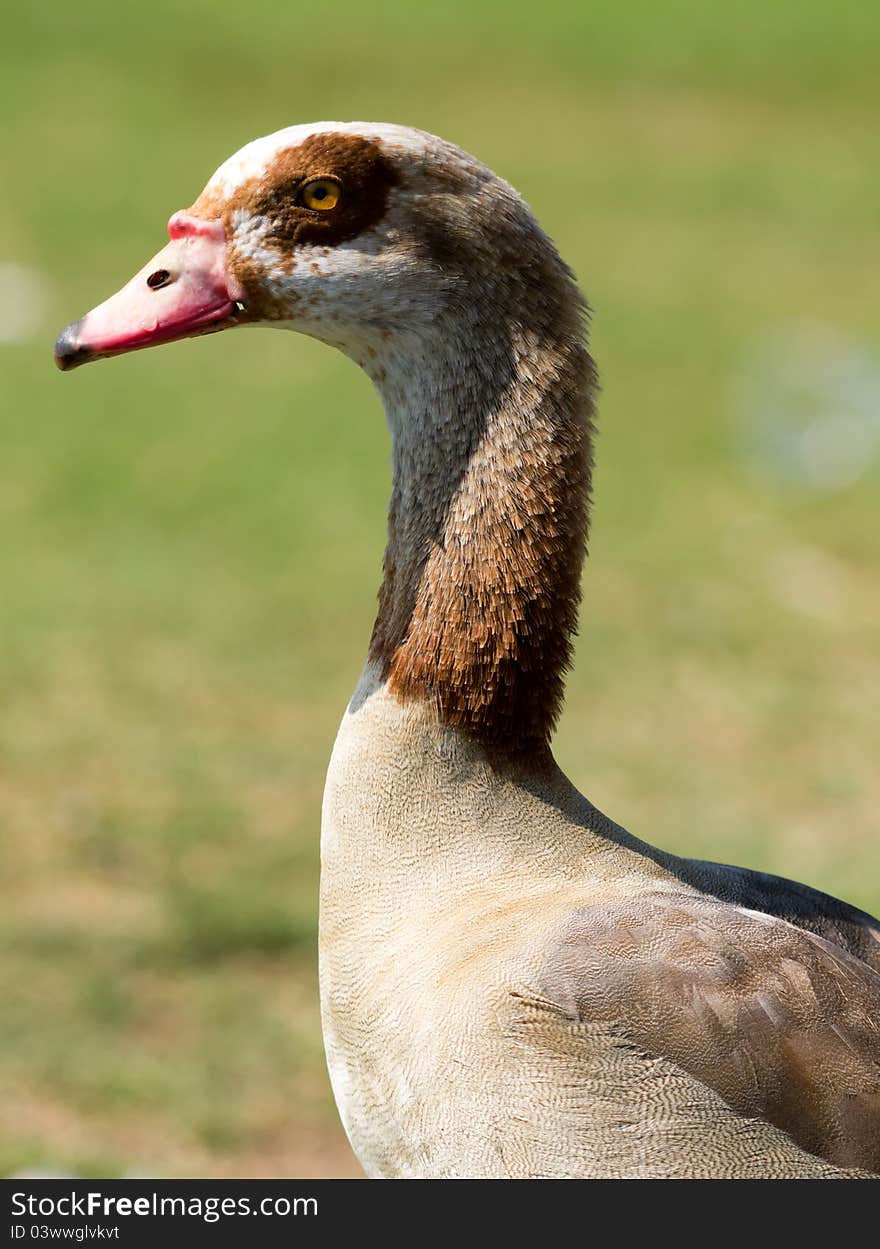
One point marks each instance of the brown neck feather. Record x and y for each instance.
(488, 516)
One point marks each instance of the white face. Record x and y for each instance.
(348, 294)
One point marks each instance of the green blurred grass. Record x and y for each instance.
(191, 539)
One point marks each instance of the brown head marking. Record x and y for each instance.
(357, 164)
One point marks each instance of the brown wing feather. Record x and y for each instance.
(780, 1022)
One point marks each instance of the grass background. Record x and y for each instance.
(190, 540)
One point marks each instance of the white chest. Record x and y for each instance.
(441, 884)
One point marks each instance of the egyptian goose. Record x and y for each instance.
(511, 984)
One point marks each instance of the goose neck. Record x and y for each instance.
(491, 443)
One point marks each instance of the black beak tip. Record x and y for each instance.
(69, 351)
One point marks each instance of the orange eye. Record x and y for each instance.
(322, 194)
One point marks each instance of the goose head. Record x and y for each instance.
(356, 234)
(431, 273)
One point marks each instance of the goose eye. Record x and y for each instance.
(321, 194)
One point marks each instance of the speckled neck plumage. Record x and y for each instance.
(491, 421)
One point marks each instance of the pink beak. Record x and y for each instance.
(185, 290)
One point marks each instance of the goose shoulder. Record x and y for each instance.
(778, 1022)
(854, 930)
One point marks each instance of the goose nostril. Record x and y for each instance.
(158, 279)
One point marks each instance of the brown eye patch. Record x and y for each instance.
(351, 163)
